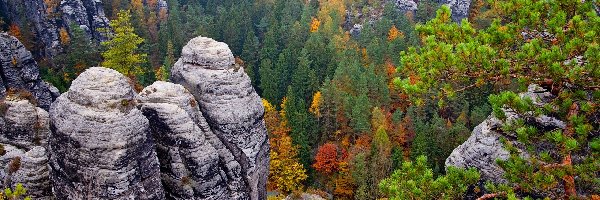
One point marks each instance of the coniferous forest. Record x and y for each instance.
(369, 99)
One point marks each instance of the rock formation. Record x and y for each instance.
(406, 5)
(33, 173)
(45, 22)
(20, 73)
(230, 105)
(28, 168)
(484, 147)
(87, 14)
(194, 162)
(100, 145)
(460, 9)
(22, 124)
(204, 139)
(24, 128)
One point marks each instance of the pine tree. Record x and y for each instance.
(122, 49)
(414, 180)
(556, 49)
(250, 57)
(79, 54)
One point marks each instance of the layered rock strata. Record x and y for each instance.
(100, 146)
(230, 105)
(22, 124)
(20, 73)
(194, 162)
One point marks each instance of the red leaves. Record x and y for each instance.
(326, 160)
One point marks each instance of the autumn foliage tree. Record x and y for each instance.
(286, 173)
(326, 160)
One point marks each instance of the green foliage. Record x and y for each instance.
(416, 181)
(436, 140)
(79, 54)
(17, 193)
(122, 49)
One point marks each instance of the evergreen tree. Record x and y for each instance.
(79, 54)
(250, 57)
(122, 49)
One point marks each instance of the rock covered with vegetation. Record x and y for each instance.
(485, 145)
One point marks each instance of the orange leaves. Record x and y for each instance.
(326, 160)
(394, 33)
(314, 25)
(64, 36)
(51, 6)
(14, 30)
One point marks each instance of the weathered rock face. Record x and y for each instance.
(460, 9)
(20, 72)
(33, 173)
(28, 168)
(100, 145)
(87, 14)
(35, 17)
(230, 105)
(194, 163)
(483, 147)
(46, 22)
(22, 124)
(406, 5)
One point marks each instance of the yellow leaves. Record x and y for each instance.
(314, 25)
(64, 36)
(394, 33)
(502, 29)
(286, 172)
(122, 49)
(316, 104)
(329, 6)
(268, 106)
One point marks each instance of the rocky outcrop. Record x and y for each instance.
(46, 22)
(32, 14)
(204, 139)
(484, 147)
(19, 73)
(194, 163)
(100, 146)
(87, 14)
(230, 105)
(460, 9)
(22, 124)
(28, 168)
(33, 173)
(406, 5)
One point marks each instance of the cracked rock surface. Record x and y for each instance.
(194, 162)
(230, 105)
(100, 145)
